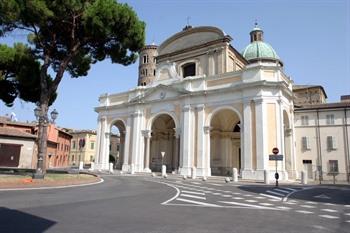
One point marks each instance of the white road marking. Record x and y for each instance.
(284, 208)
(247, 195)
(329, 210)
(226, 195)
(330, 204)
(226, 191)
(216, 184)
(267, 204)
(290, 189)
(270, 196)
(328, 216)
(252, 201)
(196, 183)
(260, 197)
(290, 203)
(348, 221)
(247, 205)
(307, 206)
(192, 196)
(275, 193)
(281, 190)
(311, 202)
(198, 193)
(304, 212)
(237, 198)
(347, 206)
(216, 194)
(197, 202)
(348, 214)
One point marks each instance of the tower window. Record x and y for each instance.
(154, 72)
(145, 59)
(189, 69)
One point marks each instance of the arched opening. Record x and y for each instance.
(225, 142)
(116, 144)
(163, 140)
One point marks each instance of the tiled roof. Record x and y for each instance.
(4, 120)
(12, 132)
(324, 106)
(301, 87)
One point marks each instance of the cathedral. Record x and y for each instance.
(203, 107)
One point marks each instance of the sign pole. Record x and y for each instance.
(276, 174)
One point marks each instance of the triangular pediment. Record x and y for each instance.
(159, 92)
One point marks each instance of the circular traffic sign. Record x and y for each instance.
(275, 151)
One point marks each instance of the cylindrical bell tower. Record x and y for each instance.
(147, 64)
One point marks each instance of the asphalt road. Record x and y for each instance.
(144, 204)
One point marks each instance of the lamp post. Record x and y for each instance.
(43, 120)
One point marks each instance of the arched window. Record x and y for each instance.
(237, 127)
(189, 69)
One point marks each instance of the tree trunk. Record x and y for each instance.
(42, 136)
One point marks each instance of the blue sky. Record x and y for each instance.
(311, 37)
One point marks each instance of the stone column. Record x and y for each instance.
(201, 161)
(261, 135)
(127, 155)
(136, 141)
(98, 155)
(147, 138)
(186, 141)
(246, 141)
(105, 157)
(176, 153)
(207, 142)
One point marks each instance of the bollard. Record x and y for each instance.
(303, 177)
(204, 178)
(227, 179)
(163, 170)
(111, 168)
(81, 165)
(194, 173)
(266, 177)
(165, 176)
(153, 174)
(92, 167)
(184, 177)
(132, 169)
(234, 175)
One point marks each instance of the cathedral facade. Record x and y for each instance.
(201, 106)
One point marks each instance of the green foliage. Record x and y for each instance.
(64, 35)
(19, 74)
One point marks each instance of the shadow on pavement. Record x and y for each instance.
(20, 222)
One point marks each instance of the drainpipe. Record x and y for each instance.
(346, 145)
(318, 142)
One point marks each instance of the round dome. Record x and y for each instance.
(259, 50)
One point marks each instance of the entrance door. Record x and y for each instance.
(9, 155)
(308, 168)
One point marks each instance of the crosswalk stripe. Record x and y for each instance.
(252, 201)
(267, 204)
(237, 198)
(329, 210)
(290, 189)
(192, 196)
(328, 216)
(304, 211)
(216, 184)
(270, 196)
(281, 190)
(191, 192)
(275, 193)
(197, 202)
(246, 205)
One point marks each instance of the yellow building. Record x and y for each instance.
(82, 147)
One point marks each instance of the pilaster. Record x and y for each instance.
(186, 141)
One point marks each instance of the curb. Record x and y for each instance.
(54, 187)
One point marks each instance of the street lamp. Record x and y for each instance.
(42, 120)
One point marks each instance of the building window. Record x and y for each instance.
(73, 145)
(145, 59)
(189, 69)
(330, 119)
(117, 147)
(92, 145)
(333, 166)
(331, 144)
(304, 120)
(91, 158)
(305, 143)
(154, 72)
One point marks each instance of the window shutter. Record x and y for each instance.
(334, 145)
(305, 143)
(329, 143)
